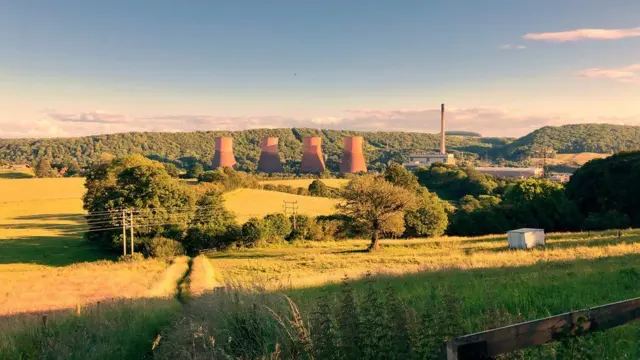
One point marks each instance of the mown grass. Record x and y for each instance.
(304, 183)
(247, 203)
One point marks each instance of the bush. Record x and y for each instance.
(253, 231)
(131, 257)
(330, 229)
(302, 226)
(318, 188)
(429, 219)
(608, 220)
(277, 226)
(160, 247)
(202, 237)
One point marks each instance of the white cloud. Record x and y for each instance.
(628, 74)
(585, 34)
(485, 120)
(512, 47)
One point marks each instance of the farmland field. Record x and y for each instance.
(247, 203)
(304, 183)
(575, 160)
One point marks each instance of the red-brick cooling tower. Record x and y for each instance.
(224, 153)
(353, 157)
(312, 157)
(269, 158)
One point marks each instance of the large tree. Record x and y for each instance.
(142, 185)
(371, 201)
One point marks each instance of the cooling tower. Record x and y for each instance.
(224, 153)
(352, 157)
(269, 158)
(312, 158)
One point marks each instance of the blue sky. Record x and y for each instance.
(503, 67)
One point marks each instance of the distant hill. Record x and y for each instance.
(463, 133)
(593, 138)
(185, 148)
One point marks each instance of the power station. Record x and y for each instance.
(223, 156)
(269, 157)
(353, 157)
(312, 157)
(353, 160)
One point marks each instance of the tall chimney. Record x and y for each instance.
(352, 157)
(443, 147)
(269, 158)
(312, 158)
(224, 153)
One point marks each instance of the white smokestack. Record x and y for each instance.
(443, 147)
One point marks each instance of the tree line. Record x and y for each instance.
(381, 148)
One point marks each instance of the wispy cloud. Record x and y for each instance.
(512, 47)
(628, 74)
(585, 34)
(488, 121)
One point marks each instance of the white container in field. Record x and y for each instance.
(525, 238)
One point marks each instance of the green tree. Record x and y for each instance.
(43, 168)
(429, 218)
(399, 176)
(210, 210)
(371, 201)
(195, 171)
(171, 169)
(318, 188)
(135, 182)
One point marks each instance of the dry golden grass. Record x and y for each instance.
(41, 189)
(310, 264)
(202, 278)
(247, 203)
(166, 284)
(53, 288)
(577, 159)
(304, 183)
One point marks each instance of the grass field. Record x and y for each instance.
(15, 172)
(574, 160)
(304, 183)
(247, 203)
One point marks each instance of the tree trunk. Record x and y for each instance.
(374, 241)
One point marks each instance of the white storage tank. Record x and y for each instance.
(525, 238)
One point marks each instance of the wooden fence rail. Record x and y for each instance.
(491, 343)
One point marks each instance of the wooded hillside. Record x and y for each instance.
(185, 148)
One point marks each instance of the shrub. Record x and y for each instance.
(160, 247)
(608, 220)
(318, 188)
(131, 257)
(278, 226)
(201, 237)
(253, 231)
(429, 219)
(302, 224)
(330, 229)
(175, 232)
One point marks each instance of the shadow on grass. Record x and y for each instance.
(67, 217)
(224, 255)
(354, 251)
(15, 175)
(51, 251)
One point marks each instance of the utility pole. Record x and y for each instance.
(131, 231)
(293, 207)
(124, 232)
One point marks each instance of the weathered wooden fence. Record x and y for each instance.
(491, 343)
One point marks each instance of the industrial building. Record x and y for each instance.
(269, 161)
(352, 156)
(511, 172)
(223, 156)
(312, 157)
(425, 159)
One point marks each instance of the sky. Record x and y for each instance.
(502, 67)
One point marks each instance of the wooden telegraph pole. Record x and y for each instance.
(291, 206)
(124, 232)
(131, 213)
